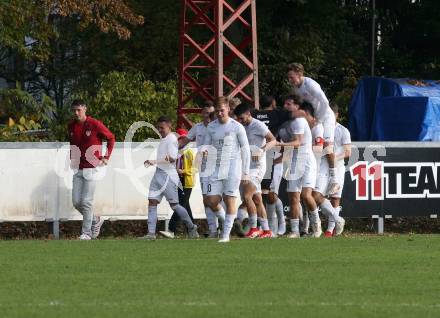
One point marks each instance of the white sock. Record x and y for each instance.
(279, 208)
(241, 215)
(253, 220)
(271, 217)
(314, 216)
(229, 221)
(220, 214)
(294, 225)
(305, 222)
(331, 224)
(264, 224)
(183, 214)
(301, 212)
(329, 211)
(270, 209)
(211, 219)
(152, 219)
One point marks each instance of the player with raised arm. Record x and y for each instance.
(197, 133)
(342, 152)
(260, 139)
(226, 143)
(302, 176)
(165, 181)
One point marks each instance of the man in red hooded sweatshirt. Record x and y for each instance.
(86, 135)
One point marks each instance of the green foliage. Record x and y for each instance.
(125, 98)
(17, 103)
(21, 115)
(29, 26)
(66, 52)
(24, 19)
(23, 130)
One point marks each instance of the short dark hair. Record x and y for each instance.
(334, 107)
(308, 108)
(164, 119)
(296, 99)
(266, 101)
(78, 102)
(208, 103)
(241, 109)
(295, 67)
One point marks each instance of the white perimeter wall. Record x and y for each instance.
(36, 183)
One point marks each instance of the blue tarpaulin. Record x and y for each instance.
(395, 110)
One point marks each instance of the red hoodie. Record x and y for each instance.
(88, 136)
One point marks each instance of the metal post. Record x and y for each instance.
(255, 54)
(206, 53)
(56, 229)
(378, 224)
(373, 39)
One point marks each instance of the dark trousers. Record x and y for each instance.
(184, 196)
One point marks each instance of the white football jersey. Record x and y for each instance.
(231, 144)
(342, 137)
(311, 92)
(197, 133)
(256, 133)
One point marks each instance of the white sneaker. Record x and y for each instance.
(339, 226)
(317, 230)
(293, 235)
(96, 227)
(85, 237)
(224, 240)
(148, 237)
(167, 234)
(193, 232)
(281, 227)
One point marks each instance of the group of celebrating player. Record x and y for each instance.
(248, 152)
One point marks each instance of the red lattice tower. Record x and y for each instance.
(218, 53)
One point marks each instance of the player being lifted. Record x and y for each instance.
(260, 139)
(225, 142)
(197, 133)
(301, 180)
(165, 181)
(309, 90)
(342, 151)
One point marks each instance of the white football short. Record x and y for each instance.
(161, 185)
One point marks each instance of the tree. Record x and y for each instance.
(125, 98)
(21, 113)
(28, 26)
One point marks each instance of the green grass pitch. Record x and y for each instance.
(361, 276)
